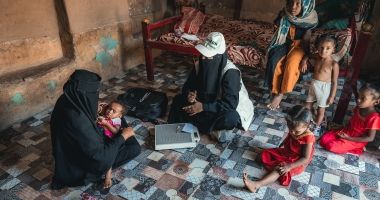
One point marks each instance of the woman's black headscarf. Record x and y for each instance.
(82, 90)
(209, 77)
(80, 152)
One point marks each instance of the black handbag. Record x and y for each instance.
(145, 104)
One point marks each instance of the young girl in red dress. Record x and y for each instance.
(361, 128)
(293, 156)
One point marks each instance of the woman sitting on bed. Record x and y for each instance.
(289, 47)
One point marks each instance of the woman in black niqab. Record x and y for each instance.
(82, 153)
(218, 94)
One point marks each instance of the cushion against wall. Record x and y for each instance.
(191, 20)
(339, 24)
(335, 9)
(247, 41)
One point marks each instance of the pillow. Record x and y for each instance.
(335, 9)
(191, 20)
(339, 24)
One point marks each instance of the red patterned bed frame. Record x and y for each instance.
(359, 44)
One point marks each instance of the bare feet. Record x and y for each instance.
(275, 103)
(252, 186)
(108, 179)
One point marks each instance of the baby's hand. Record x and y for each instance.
(102, 120)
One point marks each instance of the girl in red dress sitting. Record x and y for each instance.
(293, 156)
(361, 128)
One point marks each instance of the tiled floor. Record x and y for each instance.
(209, 171)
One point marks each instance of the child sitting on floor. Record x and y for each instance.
(293, 156)
(325, 77)
(110, 121)
(362, 126)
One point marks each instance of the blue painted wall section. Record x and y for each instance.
(104, 56)
(52, 85)
(17, 99)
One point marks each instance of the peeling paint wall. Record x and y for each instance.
(29, 34)
(101, 36)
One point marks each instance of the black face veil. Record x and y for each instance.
(209, 76)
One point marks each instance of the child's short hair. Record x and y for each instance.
(299, 114)
(326, 38)
(124, 108)
(373, 87)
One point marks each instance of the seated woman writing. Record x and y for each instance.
(214, 96)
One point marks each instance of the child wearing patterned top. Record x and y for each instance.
(110, 121)
(361, 128)
(293, 156)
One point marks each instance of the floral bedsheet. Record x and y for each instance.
(247, 40)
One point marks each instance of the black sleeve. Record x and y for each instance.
(101, 152)
(190, 84)
(230, 93)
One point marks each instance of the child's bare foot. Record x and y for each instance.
(108, 179)
(275, 103)
(252, 186)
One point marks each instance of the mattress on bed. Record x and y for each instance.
(248, 40)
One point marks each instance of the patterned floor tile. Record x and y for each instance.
(153, 173)
(27, 193)
(368, 180)
(156, 156)
(41, 174)
(10, 184)
(254, 172)
(249, 155)
(313, 191)
(302, 178)
(168, 181)
(339, 196)
(214, 171)
(197, 163)
(371, 194)
(331, 178)
(229, 164)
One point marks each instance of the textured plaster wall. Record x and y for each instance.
(372, 60)
(105, 38)
(263, 10)
(28, 34)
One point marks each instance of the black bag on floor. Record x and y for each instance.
(145, 104)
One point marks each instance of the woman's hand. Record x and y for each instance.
(127, 133)
(193, 109)
(192, 96)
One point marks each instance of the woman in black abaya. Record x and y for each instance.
(213, 97)
(82, 153)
